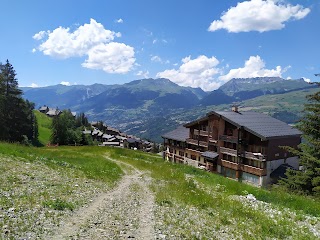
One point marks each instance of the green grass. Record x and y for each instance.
(59, 204)
(178, 188)
(44, 126)
(85, 159)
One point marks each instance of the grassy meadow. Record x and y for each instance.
(48, 183)
(44, 125)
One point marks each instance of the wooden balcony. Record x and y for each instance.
(212, 140)
(244, 168)
(196, 142)
(228, 151)
(180, 158)
(255, 156)
(174, 146)
(231, 165)
(253, 170)
(201, 133)
(230, 139)
(195, 152)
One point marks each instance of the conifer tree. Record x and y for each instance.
(307, 180)
(16, 115)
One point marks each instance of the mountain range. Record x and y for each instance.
(151, 107)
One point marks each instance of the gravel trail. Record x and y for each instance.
(125, 212)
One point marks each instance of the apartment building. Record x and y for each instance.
(244, 146)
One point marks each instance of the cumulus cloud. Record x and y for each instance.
(112, 58)
(258, 15)
(254, 67)
(307, 80)
(156, 58)
(198, 72)
(91, 40)
(120, 20)
(143, 74)
(62, 43)
(65, 83)
(40, 35)
(34, 85)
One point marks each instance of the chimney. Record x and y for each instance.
(235, 108)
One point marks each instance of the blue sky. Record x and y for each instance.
(201, 43)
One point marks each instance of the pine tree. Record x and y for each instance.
(308, 179)
(16, 114)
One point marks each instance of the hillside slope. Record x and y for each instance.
(79, 192)
(240, 89)
(44, 127)
(150, 107)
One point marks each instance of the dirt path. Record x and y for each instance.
(122, 213)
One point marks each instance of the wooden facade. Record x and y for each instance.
(241, 154)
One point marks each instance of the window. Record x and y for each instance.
(193, 157)
(181, 153)
(230, 173)
(250, 178)
(186, 154)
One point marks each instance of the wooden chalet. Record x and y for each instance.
(240, 145)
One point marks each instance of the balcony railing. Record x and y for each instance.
(230, 139)
(228, 151)
(201, 132)
(196, 142)
(253, 170)
(212, 140)
(231, 165)
(255, 156)
(244, 168)
(195, 152)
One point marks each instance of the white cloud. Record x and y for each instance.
(156, 59)
(306, 80)
(34, 50)
(34, 85)
(253, 67)
(91, 40)
(120, 20)
(62, 43)
(143, 74)
(154, 41)
(258, 15)
(159, 59)
(112, 58)
(65, 83)
(40, 35)
(198, 72)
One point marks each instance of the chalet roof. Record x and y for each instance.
(179, 134)
(53, 112)
(97, 132)
(86, 132)
(107, 136)
(203, 119)
(210, 154)
(259, 124)
(43, 108)
(120, 137)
